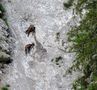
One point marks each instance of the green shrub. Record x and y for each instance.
(4, 88)
(92, 86)
(68, 4)
(2, 13)
(2, 9)
(84, 39)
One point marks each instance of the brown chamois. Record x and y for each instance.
(28, 48)
(30, 29)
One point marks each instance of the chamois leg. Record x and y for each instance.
(26, 51)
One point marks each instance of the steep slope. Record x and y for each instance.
(37, 71)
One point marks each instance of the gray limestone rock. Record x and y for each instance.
(5, 53)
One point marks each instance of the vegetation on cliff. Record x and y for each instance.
(6, 87)
(5, 53)
(2, 14)
(84, 39)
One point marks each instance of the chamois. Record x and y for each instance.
(30, 29)
(28, 48)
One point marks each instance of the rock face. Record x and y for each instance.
(36, 71)
(5, 48)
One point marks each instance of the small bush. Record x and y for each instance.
(5, 87)
(2, 11)
(68, 4)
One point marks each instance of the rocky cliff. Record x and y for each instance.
(5, 43)
(45, 66)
